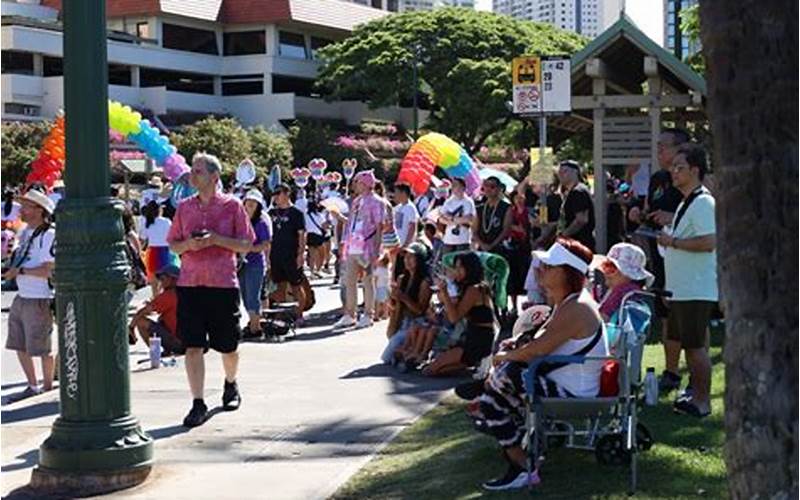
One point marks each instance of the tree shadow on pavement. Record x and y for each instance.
(43, 409)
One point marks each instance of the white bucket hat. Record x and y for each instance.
(255, 195)
(558, 255)
(41, 199)
(630, 260)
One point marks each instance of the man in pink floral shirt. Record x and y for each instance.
(361, 244)
(207, 231)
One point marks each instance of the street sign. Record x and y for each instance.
(526, 80)
(541, 85)
(556, 85)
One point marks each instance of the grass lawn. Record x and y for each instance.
(442, 457)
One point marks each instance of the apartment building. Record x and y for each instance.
(179, 60)
(585, 17)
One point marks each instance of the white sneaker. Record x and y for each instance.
(364, 321)
(346, 321)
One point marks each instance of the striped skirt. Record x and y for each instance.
(502, 403)
(157, 257)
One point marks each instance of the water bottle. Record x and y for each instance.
(650, 387)
(155, 352)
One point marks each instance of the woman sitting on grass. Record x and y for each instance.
(575, 328)
(411, 298)
(473, 303)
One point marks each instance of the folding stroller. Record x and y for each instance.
(607, 425)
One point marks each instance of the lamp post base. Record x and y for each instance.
(50, 482)
(93, 457)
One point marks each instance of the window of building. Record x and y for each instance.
(299, 86)
(143, 30)
(376, 4)
(391, 5)
(196, 83)
(316, 44)
(189, 39)
(292, 45)
(53, 66)
(119, 74)
(244, 42)
(16, 108)
(17, 63)
(243, 84)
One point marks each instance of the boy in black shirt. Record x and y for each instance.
(288, 245)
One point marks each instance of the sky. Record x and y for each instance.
(647, 14)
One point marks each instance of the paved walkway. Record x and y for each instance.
(315, 409)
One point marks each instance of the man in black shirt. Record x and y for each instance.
(662, 201)
(288, 245)
(577, 212)
(492, 223)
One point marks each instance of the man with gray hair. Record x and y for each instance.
(208, 230)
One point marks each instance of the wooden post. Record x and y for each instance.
(600, 194)
(653, 89)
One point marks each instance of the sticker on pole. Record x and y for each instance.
(527, 72)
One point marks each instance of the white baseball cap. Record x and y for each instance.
(558, 255)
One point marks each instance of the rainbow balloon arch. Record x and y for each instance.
(437, 150)
(48, 166)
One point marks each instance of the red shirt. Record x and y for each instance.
(213, 266)
(166, 305)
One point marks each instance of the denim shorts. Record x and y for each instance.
(251, 279)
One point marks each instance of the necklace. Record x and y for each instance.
(484, 226)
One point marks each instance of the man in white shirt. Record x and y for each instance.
(30, 320)
(690, 263)
(458, 214)
(405, 223)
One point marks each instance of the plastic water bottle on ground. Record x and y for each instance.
(155, 352)
(650, 387)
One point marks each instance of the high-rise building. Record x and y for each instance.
(586, 17)
(675, 40)
(409, 5)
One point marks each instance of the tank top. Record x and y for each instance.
(582, 380)
(490, 220)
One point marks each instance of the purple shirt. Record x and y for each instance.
(262, 234)
(213, 266)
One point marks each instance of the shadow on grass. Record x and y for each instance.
(442, 457)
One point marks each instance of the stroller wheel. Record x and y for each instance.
(644, 440)
(610, 450)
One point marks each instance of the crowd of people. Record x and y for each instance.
(448, 272)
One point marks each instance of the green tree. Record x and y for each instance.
(690, 27)
(20, 145)
(222, 137)
(268, 149)
(464, 62)
(316, 139)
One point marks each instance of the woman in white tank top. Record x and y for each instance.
(575, 327)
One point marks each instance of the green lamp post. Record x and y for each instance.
(95, 445)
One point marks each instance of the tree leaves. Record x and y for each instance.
(463, 59)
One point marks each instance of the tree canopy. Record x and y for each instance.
(464, 64)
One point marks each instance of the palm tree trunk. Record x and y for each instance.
(751, 54)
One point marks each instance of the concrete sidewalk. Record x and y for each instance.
(315, 409)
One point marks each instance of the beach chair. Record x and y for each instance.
(608, 425)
